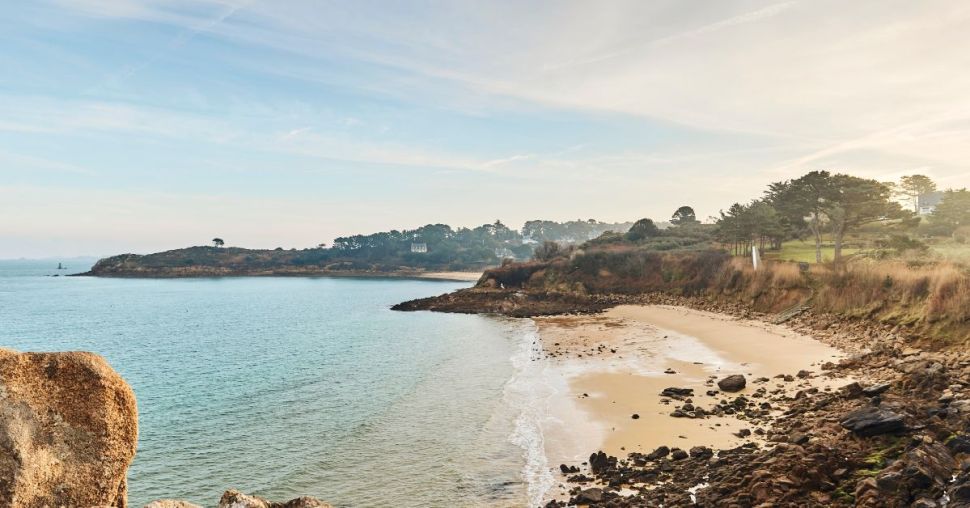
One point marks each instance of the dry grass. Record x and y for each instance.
(929, 299)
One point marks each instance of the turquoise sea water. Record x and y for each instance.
(297, 386)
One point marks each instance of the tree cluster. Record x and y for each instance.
(816, 203)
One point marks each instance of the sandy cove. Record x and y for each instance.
(616, 364)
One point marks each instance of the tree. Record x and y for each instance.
(547, 251)
(954, 210)
(683, 216)
(642, 229)
(914, 187)
(854, 202)
(744, 226)
(805, 201)
(218, 242)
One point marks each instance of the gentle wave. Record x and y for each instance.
(528, 391)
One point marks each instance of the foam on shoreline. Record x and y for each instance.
(549, 427)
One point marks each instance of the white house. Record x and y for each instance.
(927, 203)
(420, 248)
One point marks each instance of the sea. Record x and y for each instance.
(286, 386)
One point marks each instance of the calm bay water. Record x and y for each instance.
(299, 386)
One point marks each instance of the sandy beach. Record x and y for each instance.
(456, 276)
(616, 364)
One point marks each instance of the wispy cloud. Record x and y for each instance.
(588, 99)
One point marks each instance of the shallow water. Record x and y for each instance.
(299, 386)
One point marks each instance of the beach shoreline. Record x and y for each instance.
(616, 364)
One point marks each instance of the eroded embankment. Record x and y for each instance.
(928, 304)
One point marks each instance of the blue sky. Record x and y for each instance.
(140, 125)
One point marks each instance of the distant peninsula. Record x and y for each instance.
(239, 262)
(431, 251)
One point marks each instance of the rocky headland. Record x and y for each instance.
(240, 262)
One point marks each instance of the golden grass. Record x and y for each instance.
(931, 299)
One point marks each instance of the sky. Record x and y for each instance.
(145, 125)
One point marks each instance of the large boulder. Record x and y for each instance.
(68, 430)
(733, 383)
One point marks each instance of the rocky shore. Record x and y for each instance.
(897, 436)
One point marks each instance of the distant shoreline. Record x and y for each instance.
(456, 276)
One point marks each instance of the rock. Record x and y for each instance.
(960, 406)
(171, 503)
(670, 371)
(677, 393)
(851, 390)
(701, 452)
(678, 454)
(660, 452)
(959, 444)
(68, 430)
(588, 497)
(872, 421)
(743, 433)
(733, 383)
(802, 374)
(635, 416)
(599, 462)
(235, 499)
(872, 391)
(798, 438)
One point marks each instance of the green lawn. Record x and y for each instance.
(953, 251)
(797, 250)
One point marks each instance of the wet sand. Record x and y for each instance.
(614, 365)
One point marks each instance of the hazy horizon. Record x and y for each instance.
(142, 125)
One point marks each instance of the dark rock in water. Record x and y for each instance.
(872, 421)
(872, 391)
(236, 499)
(733, 383)
(588, 496)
